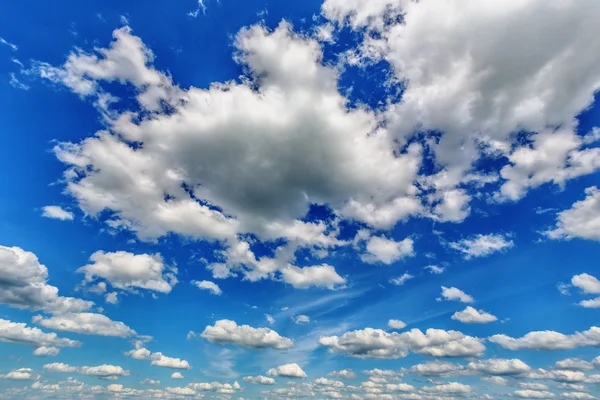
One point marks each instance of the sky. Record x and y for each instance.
(366, 199)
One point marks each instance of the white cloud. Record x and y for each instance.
(587, 283)
(259, 380)
(471, 315)
(496, 380)
(449, 388)
(377, 343)
(228, 332)
(482, 245)
(301, 319)
(434, 269)
(85, 323)
(270, 319)
(319, 275)
(343, 374)
(396, 324)
(19, 333)
(45, 351)
(533, 394)
(20, 374)
(574, 364)
(57, 212)
(176, 375)
(149, 381)
(549, 340)
(401, 280)
(104, 371)
(387, 251)
(593, 303)
(437, 368)
(125, 271)
(157, 359)
(111, 298)
(582, 220)
(453, 293)
(578, 396)
(499, 366)
(5, 42)
(532, 386)
(208, 285)
(287, 371)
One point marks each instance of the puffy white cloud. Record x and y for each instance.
(318, 275)
(57, 212)
(208, 285)
(125, 271)
(496, 380)
(533, 394)
(111, 298)
(437, 368)
(270, 319)
(45, 351)
(574, 364)
(228, 332)
(582, 220)
(177, 375)
(85, 323)
(180, 391)
(24, 284)
(396, 324)
(482, 245)
(376, 343)
(435, 269)
(549, 340)
(20, 333)
(259, 380)
(224, 388)
(471, 315)
(387, 251)
(343, 374)
(401, 280)
(20, 374)
(578, 396)
(449, 388)
(452, 293)
(499, 366)
(157, 359)
(301, 319)
(149, 381)
(587, 283)
(104, 371)
(593, 303)
(560, 375)
(292, 370)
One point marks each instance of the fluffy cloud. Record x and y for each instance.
(85, 323)
(259, 380)
(453, 293)
(125, 271)
(376, 343)
(533, 394)
(319, 275)
(24, 284)
(20, 374)
(587, 283)
(57, 212)
(228, 332)
(449, 388)
(401, 280)
(582, 220)
(434, 269)
(387, 251)
(45, 343)
(437, 368)
(343, 374)
(158, 359)
(472, 316)
(396, 324)
(499, 366)
(549, 340)
(208, 285)
(302, 319)
(482, 245)
(104, 371)
(287, 371)
(574, 364)
(177, 375)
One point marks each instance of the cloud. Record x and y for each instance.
(533, 394)
(270, 319)
(12, 46)
(449, 388)
(85, 323)
(499, 366)
(343, 374)
(287, 371)
(157, 359)
(587, 283)
(453, 293)
(319, 275)
(45, 351)
(437, 368)
(549, 340)
(593, 303)
(228, 332)
(582, 220)
(104, 371)
(20, 374)
(472, 316)
(24, 284)
(482, 245)
(434, 269)
(19, 333)
(301, 319)
(57, 212)
(401, 280)
(111, 298)
(148, 381)
(127, 271)
(259, 380)
(208, 285)
(387, 251)
(396, 324)
(376, 343)
(576, 364)
(176, 375)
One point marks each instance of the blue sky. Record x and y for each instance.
(267, 200)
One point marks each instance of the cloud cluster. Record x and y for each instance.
(229, 332)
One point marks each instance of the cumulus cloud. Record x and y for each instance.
(437, 369)
(228, 332)
(482, 245)
(587, 283)
(157, 359)
(177, 375)
(104, 371)
(582, 220)
(574, 364)
(549, 340)
(85, 323)
(208, 285)
(533, 394)
(126, 271)
(20, 374)
(259, 380)
(387, 251)
(301, 319)
(452, 293)
(288, 371)
(57, 212)
(471, 315)
(45, 343)
(343, 374)
(377, 343)
(499, 366)
(45, 351)
(396, 324)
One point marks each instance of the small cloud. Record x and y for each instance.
(401, 280)
(57, 212)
